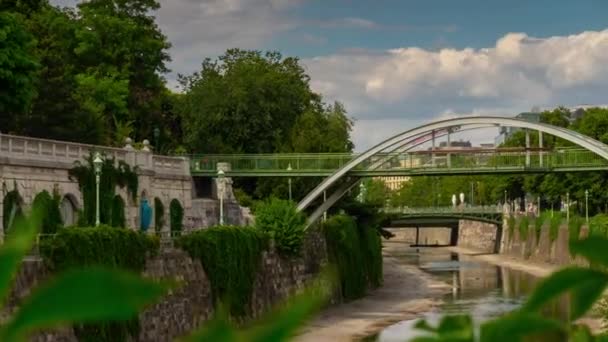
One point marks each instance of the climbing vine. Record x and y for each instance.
(159, 215)
(538, 225)
(176, 216)
(511, 226)
(51, 217)
(106, 246)
(574, 227)
(111, 176)
(554, 225)
(118, 212)
(231, 257)
(524, 225)
(11, 209)
(343, 248)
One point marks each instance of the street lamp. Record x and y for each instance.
(156, 137)
(587, 207)
(289, 180)
(97, 164)
(220, 190)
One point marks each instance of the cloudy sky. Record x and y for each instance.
(399, 63)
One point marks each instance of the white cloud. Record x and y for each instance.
(415, 84)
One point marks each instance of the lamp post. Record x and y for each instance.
(587, 207)
(220, 185)
(289, 180)
(156, 138)
(97, 164)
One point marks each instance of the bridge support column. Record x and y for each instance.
(527, 148)
(417, 236)
(454, 235)
(540, 146)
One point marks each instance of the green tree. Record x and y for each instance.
(18, 68)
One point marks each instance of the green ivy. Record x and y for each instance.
(574, 227)
(231, 258)
(344, 249)
(539, 221)
(111, 177)
(524, 225)
(118, 212)
(106, 246)
(511, 226)
(51, 216)
(176, 216)
(159, 215)
(554, 224)
(12, 201)
(282, 221)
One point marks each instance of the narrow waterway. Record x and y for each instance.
(481, 289)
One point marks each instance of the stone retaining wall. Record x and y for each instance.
(427, 235)
(190, 305)
(478, 235)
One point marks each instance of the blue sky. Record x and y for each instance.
(396, 64)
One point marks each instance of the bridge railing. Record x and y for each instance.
(419, 160)
(491, 209)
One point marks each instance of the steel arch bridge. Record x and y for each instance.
(405, 141)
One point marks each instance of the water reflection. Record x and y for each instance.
(483, 290)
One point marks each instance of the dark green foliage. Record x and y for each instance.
(284, 224)
(159, 214)
(231, 257)
(371, 246)
(344, 248)
(11, 209)
(524, 226)
(111, 177)
(51, 217)
(103, 246)
(118, 212)
(18, 67)
(176, 216)
(539, 221)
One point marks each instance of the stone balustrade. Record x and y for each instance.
(34, 150)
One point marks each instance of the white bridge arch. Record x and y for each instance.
(397, 142)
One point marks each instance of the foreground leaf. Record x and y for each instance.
(83, 296)
(585, 286)
(18, 243)
(513, 327)
(592, 248)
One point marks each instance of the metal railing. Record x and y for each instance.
(490, 209)
(303, 164)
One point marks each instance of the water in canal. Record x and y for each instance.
(481, 289)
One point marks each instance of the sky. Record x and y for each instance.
(396, 64)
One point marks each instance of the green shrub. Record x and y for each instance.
(100, 246)
(524, 225)
(159, 215)
(243, 198)
(371, 245)
(176, 216)
(118, 212)
(282, 221)
(554, 225)
(598, 225)
(51, 216)
(231, 257)
(344, 248)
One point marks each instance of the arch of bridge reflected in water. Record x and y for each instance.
(483, 290)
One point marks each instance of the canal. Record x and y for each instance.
(478, 288)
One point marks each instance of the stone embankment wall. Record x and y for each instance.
(427, 236)
(478, 235)
(189, 306)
